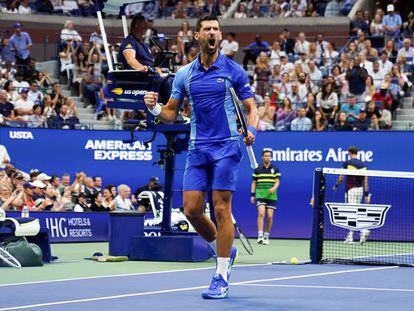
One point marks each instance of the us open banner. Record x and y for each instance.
(296, 154)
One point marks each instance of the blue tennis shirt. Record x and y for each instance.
(212, 112)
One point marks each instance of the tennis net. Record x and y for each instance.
(363, 217)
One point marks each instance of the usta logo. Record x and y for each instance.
(20, 135)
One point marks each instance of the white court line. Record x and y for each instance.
(125, 275)
(333, 287)
(175, 290)
(314, 274)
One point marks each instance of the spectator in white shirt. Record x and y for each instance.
(384, 63)
(330, 56)
(301, 122)
(24, 7)
(301, 46)
(407, 51)
(123, 201)
(24, 106)
(315, 75)
(377, 75)
(364, 63)
(286, 66)
(303, 62)
(19, 83)
(229, 46)
(321, 44)
(275, 54)
(37, 119)
(376, 27)
(34, 94)
(69, 34)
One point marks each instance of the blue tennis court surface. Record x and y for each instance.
(258, 287)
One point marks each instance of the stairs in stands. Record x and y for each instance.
(405, 116)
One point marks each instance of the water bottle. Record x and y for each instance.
(25, 211)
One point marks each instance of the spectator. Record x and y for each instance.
(369, 51)
(310, 105)
(262, 74)
(319, 123)
(95, 57)
(81, 204)
(327, 102)
(332, 9)
(241, 11)
(408, 27)
(97, 183)
(256, 11)
(296, 97)
(97, 203)
(123, 201)
(108, 199)
(392, 23)
(314, 74)
(358, 25)
(372, 110)
(8, 198)
(20, 44)
(383, 98)
(390, 50)
(211, 7)
(62, 120)
(407, 52)
(19, 83)
(34, 94)
(301, 122)
(356, 77)
(377, 28)
(24, 7)
(23, 106)
(377, 75)
(321, 44)
(253, 50)
(44, 80)
(69, 35)
(37, 119)
(275, 54)
(286, 44)
(314, 53)
(6, 108)
(352, 51)
(362, 123)
(7, 55)
(369, 88)
(11, 7)
(384, 64)
(294, 10)
(285, 65)
(86, 7)
(12, 95)
(351, 109)
(185, 39)
(151, 33)
(180, 11)
(153, 185)
(303, 62)
(44, 6)
(229, 46)
(285, 115)
(267, 115)
(342, 124)
(301, 45)
(91, 83)
(56, 96)
(88, 188)
(330, 57)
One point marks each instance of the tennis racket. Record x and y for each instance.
(240, 116)
(244, 241)
(9, 259)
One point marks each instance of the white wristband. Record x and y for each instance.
(156, 110)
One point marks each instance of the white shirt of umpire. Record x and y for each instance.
(123, 204)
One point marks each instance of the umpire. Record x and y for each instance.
(266, 180)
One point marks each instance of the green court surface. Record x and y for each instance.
(73, 264)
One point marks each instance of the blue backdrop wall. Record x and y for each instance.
(296, 154)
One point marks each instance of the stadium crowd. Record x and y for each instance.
(40, 192)
(300, 83)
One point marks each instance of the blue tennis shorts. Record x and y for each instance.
(213, 167)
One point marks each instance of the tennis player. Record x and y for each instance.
(356, 188)
(214, 152)
(266, 180)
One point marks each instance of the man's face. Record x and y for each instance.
(362, 115)
(89, 182)
(98, 182)
(209, 37)
(407, 44)
(229, 38)
(301, 113)
(63, 110)
(38, 111)
(302, 78)
(38, 191)
(384, 57)
(65, 181)
(18, 31)
(23, 95)
(33, 87)
(267, 157)
(3, 96)
(55, 182)
(320, 38)
(311, 66)
(351, 101)
(358, 16)
(140, 29)
(375, 66)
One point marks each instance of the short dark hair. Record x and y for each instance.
(266, 151)
(232, 34)
(53, 177)
(205, 17)
(353, 150)
(138, 19)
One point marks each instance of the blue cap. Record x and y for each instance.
(24, 90)
(28, 185)
(17, 25)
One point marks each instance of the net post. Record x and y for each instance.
(316, 244)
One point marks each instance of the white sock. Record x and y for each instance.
(223, 266)
(266, 236)
(213, 246)
(260, 234)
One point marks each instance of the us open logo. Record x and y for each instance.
(357, 216)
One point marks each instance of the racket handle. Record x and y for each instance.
(252, 157)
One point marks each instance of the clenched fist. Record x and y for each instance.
(151, 99)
